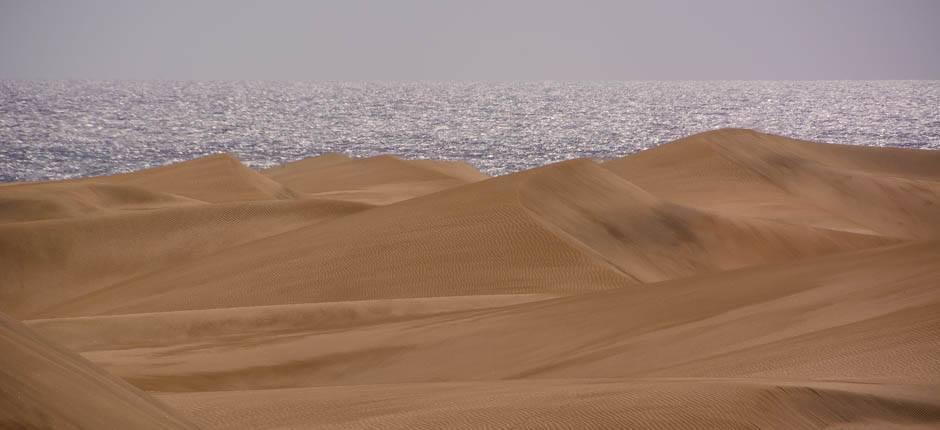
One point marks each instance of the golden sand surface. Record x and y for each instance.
(730, 279)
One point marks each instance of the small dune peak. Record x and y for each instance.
(729, 132)
(69, 199)
(738, 137)
(214, 178)
(306, 163)
(380, 179)
(219, 158)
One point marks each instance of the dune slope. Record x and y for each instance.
(50, 262)
(885, 191)
(842, 317)
(19, 203)
(471, 240)
(213, 179)
(377, 180)
(562, 229)
(731, 279)
(251, 323)
(650, 240)
(634, 404)
(294, 172)
(43, 386)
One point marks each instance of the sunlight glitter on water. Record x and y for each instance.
(52, 130)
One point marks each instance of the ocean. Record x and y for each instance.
(64, 129)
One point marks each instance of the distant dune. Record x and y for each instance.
(383, 179)
(885, 191)
(730, 279)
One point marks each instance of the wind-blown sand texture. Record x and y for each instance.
(730, 279)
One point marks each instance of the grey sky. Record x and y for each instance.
(486, 40)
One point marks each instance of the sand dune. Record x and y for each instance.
(731, 279)
(51, 262)
(845, 316)
(650, 240)
(214, 179)
(454, 169)
(886, 191)
(45, 386)
(377, 180)
(66, 200)
(634, 404)
(510, 235)
(296, 172)
(474, 239)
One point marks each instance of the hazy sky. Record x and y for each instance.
(470, 39)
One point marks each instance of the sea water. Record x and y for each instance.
(63, 129)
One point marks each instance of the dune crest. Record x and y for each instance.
(68, 200)
(883, 191)
(215, 178)
(382, 179)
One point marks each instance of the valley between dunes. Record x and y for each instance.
(730, 279)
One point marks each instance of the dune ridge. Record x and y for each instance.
(215, 178)
(59, 260)
(730, 279)
(212, 179)
(69, 200)
(381, 179)
(651, 240)
(837, 186)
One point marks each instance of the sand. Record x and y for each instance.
(45, 386)
(377, 180)
(730, 279)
